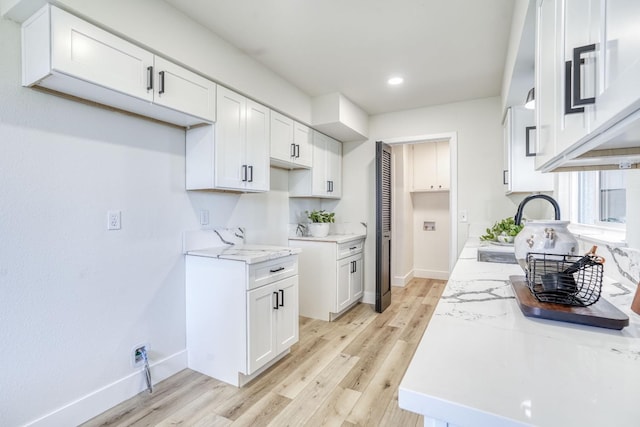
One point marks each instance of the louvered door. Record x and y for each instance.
(383, 226)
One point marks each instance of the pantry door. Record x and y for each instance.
(383, 226)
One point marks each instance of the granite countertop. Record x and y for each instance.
(249, 254)
(481, 362)
(335, 238)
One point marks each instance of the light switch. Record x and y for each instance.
(463, 216)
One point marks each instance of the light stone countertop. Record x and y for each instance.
(481, 362)
(249, 254)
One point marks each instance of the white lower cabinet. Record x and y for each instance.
(241, 318)
(331, 276)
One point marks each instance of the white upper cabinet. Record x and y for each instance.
(291, 143)
(233, 154)
(324, 180)
(519, 173)
(69, 55)
(431, 167)
(587, 86)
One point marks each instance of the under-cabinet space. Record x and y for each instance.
(66, 54)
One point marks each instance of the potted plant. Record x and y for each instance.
(320, 220)
(503, 231)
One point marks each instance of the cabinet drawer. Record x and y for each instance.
(263, 273)
(350, 248)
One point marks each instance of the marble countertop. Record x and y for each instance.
(481, 362)
(249, 254)
(336, 238)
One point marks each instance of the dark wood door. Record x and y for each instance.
(383, 226)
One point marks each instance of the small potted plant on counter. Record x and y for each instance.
(320, 220)
(503, 231)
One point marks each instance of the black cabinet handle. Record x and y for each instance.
(353, 247)
(281, 297)
(505, 181)
(276, 270)
(297, 150)
(244, 173)
(250, 173)
(293, 150)
(161, 74)
(568, 108)
(149, 78)
(277, 303)
(328, 186)
(528, 151)
(577, 79)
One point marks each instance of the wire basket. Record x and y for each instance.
(565, 279)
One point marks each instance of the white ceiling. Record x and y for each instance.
(446, 50)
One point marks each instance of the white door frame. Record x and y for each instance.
(452, 137)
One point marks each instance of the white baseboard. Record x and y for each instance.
(402, 281)
(369, 298)
(112, 394)
(431, 274)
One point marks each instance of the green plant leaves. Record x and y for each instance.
(320, 216)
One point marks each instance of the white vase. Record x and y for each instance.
(319, 229)
(548, 237)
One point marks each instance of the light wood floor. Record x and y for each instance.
(344, 373)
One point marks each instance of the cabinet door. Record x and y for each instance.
(547, 74)
(319, 181)
(302, 139)
(261, 323)
(442, 165)
(343, 286)
(334, 167)
(256, 150)
(182, 90)
(575, 31)
(230, 170)
(506, 150)
(287, 313)
(424, 166)
(618, 62)
(282, 136)
(82, 50)
(356, 281)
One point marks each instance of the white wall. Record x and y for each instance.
(402, 215)
(431, 248)
(75, 298)
(480, 192)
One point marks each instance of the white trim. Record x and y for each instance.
(431, 274)
(98, 401)
(452, 137)
(369, 298)
(402, 281)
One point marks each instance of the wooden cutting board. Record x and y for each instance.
(602, 314)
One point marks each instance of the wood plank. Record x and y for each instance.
(394, 416)
(201, 410)
(405, 312)
(315, 393)
(371, 407)
(263, 411)
(336, 408)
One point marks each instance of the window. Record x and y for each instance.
(599, 198)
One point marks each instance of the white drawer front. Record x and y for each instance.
(263, 273)
(350, 248)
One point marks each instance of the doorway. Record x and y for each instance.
(424, 212)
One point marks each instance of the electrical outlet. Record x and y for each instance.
(113, 220)
(463, 216)
(137, 357)
(204, 217)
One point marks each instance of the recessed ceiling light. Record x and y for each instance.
(395, 81)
